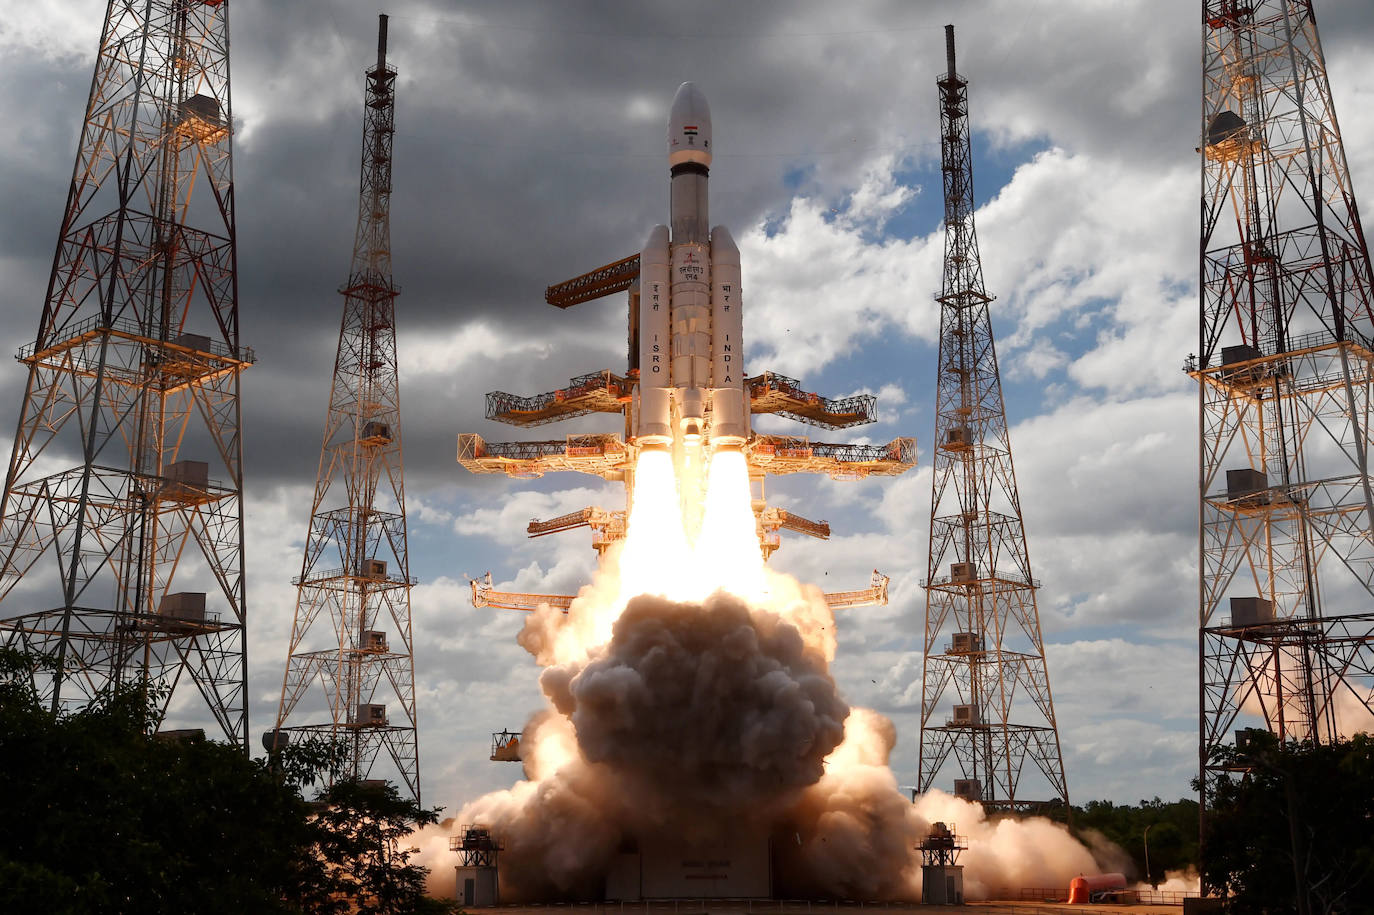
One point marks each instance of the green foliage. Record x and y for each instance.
(359, 827)
(1173, 837)
(1289, 829)
(102, 816)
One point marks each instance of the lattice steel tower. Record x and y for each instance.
(1286, 514)
(980, 595)
(352, 632)
(122, 516)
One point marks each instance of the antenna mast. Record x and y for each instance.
(356, 572)
(980, 595)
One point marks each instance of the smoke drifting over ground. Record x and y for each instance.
(707, 712)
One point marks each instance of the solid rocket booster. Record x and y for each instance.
(691, 327)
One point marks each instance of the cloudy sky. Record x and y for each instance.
(530, 148)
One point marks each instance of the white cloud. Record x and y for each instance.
(69, 33)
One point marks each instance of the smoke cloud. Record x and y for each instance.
(702, 717)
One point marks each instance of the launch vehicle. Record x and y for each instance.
(691, 328)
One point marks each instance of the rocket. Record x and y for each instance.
(691, 379)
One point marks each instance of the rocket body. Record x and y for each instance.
(691, 383)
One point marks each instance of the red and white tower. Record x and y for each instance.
(352, 633)
(1284, 365)
(982, 638)
(121, 523)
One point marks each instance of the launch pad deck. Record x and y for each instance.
(805, 907)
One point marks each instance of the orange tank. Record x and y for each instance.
(1082, 889)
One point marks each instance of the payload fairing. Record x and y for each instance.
(691, 328)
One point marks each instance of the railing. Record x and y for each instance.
(1125, 897)
(320, 578)
(127, 327)
(997, 575)
(1311, 340)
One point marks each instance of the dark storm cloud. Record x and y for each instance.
(529, 149)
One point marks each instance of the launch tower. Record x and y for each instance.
(982, 636)
(122, 515)
(1284, 364)
(352, 633)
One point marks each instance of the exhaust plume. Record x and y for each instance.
(690, 697)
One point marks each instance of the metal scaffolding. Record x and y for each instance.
(609, 527)
(775, 393)
(484, 594)
(595, 392)
(982, 634)
(122, 515)
(1286, 513)
(607, 456)
(603, 281)
(607, 392)
(352, 632)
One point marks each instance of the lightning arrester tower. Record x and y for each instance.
(352, 632)
(1284, 362)
(982, 638)
(122, 515)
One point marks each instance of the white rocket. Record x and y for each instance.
(691, 379)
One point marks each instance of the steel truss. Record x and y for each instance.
(1288, 672)
(122, 513)
(485, 595)
(982, 635)
(775, 393)
(607, 392)
(1284, 361)
(353, 593)
(609, 457)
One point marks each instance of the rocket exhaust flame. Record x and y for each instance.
(653, 558)
(728, 548)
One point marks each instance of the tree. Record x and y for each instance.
(102, 815)
(358, 827)
(1172, 825)
(1289, 826)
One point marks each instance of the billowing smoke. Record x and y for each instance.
(724, 703)
(1180, 881)
(700, 707)
(855, 834)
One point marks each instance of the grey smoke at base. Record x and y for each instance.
(701, 709)
(667, 707)
(700, 721)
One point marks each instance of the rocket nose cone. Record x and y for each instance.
(689, 127)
